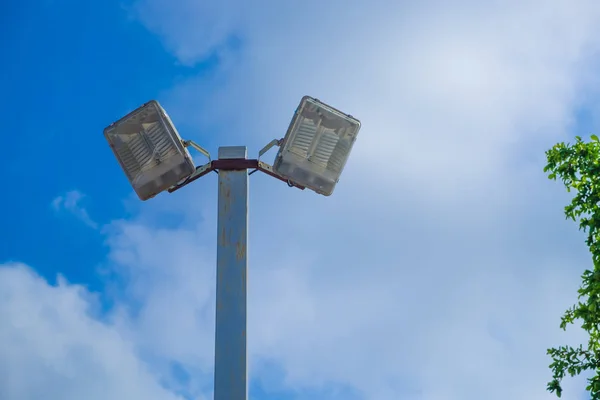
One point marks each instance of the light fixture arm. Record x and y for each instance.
(269, 146)
(197, 147)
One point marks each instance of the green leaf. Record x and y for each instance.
(577, 166)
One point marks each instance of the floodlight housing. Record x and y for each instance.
(149, 150)
(316, 146)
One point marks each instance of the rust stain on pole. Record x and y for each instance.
(240, 250)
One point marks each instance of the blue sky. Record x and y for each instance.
(439, 268)
(73, 67)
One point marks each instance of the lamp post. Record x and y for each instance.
(155, 159)
(231, 377)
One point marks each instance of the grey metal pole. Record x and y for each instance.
(231, 370)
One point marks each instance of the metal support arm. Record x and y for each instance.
(233, 164)
(197, 147)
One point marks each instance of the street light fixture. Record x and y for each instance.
(155, 159)
(316, 146)
(149, 150)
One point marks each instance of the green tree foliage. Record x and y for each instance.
(578, 167)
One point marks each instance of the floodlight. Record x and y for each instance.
(149, 150)
(316, 146)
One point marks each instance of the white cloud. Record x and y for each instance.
(71, 202)
(440, 87)
(193, 32)
(52, 348)
(433, 309)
